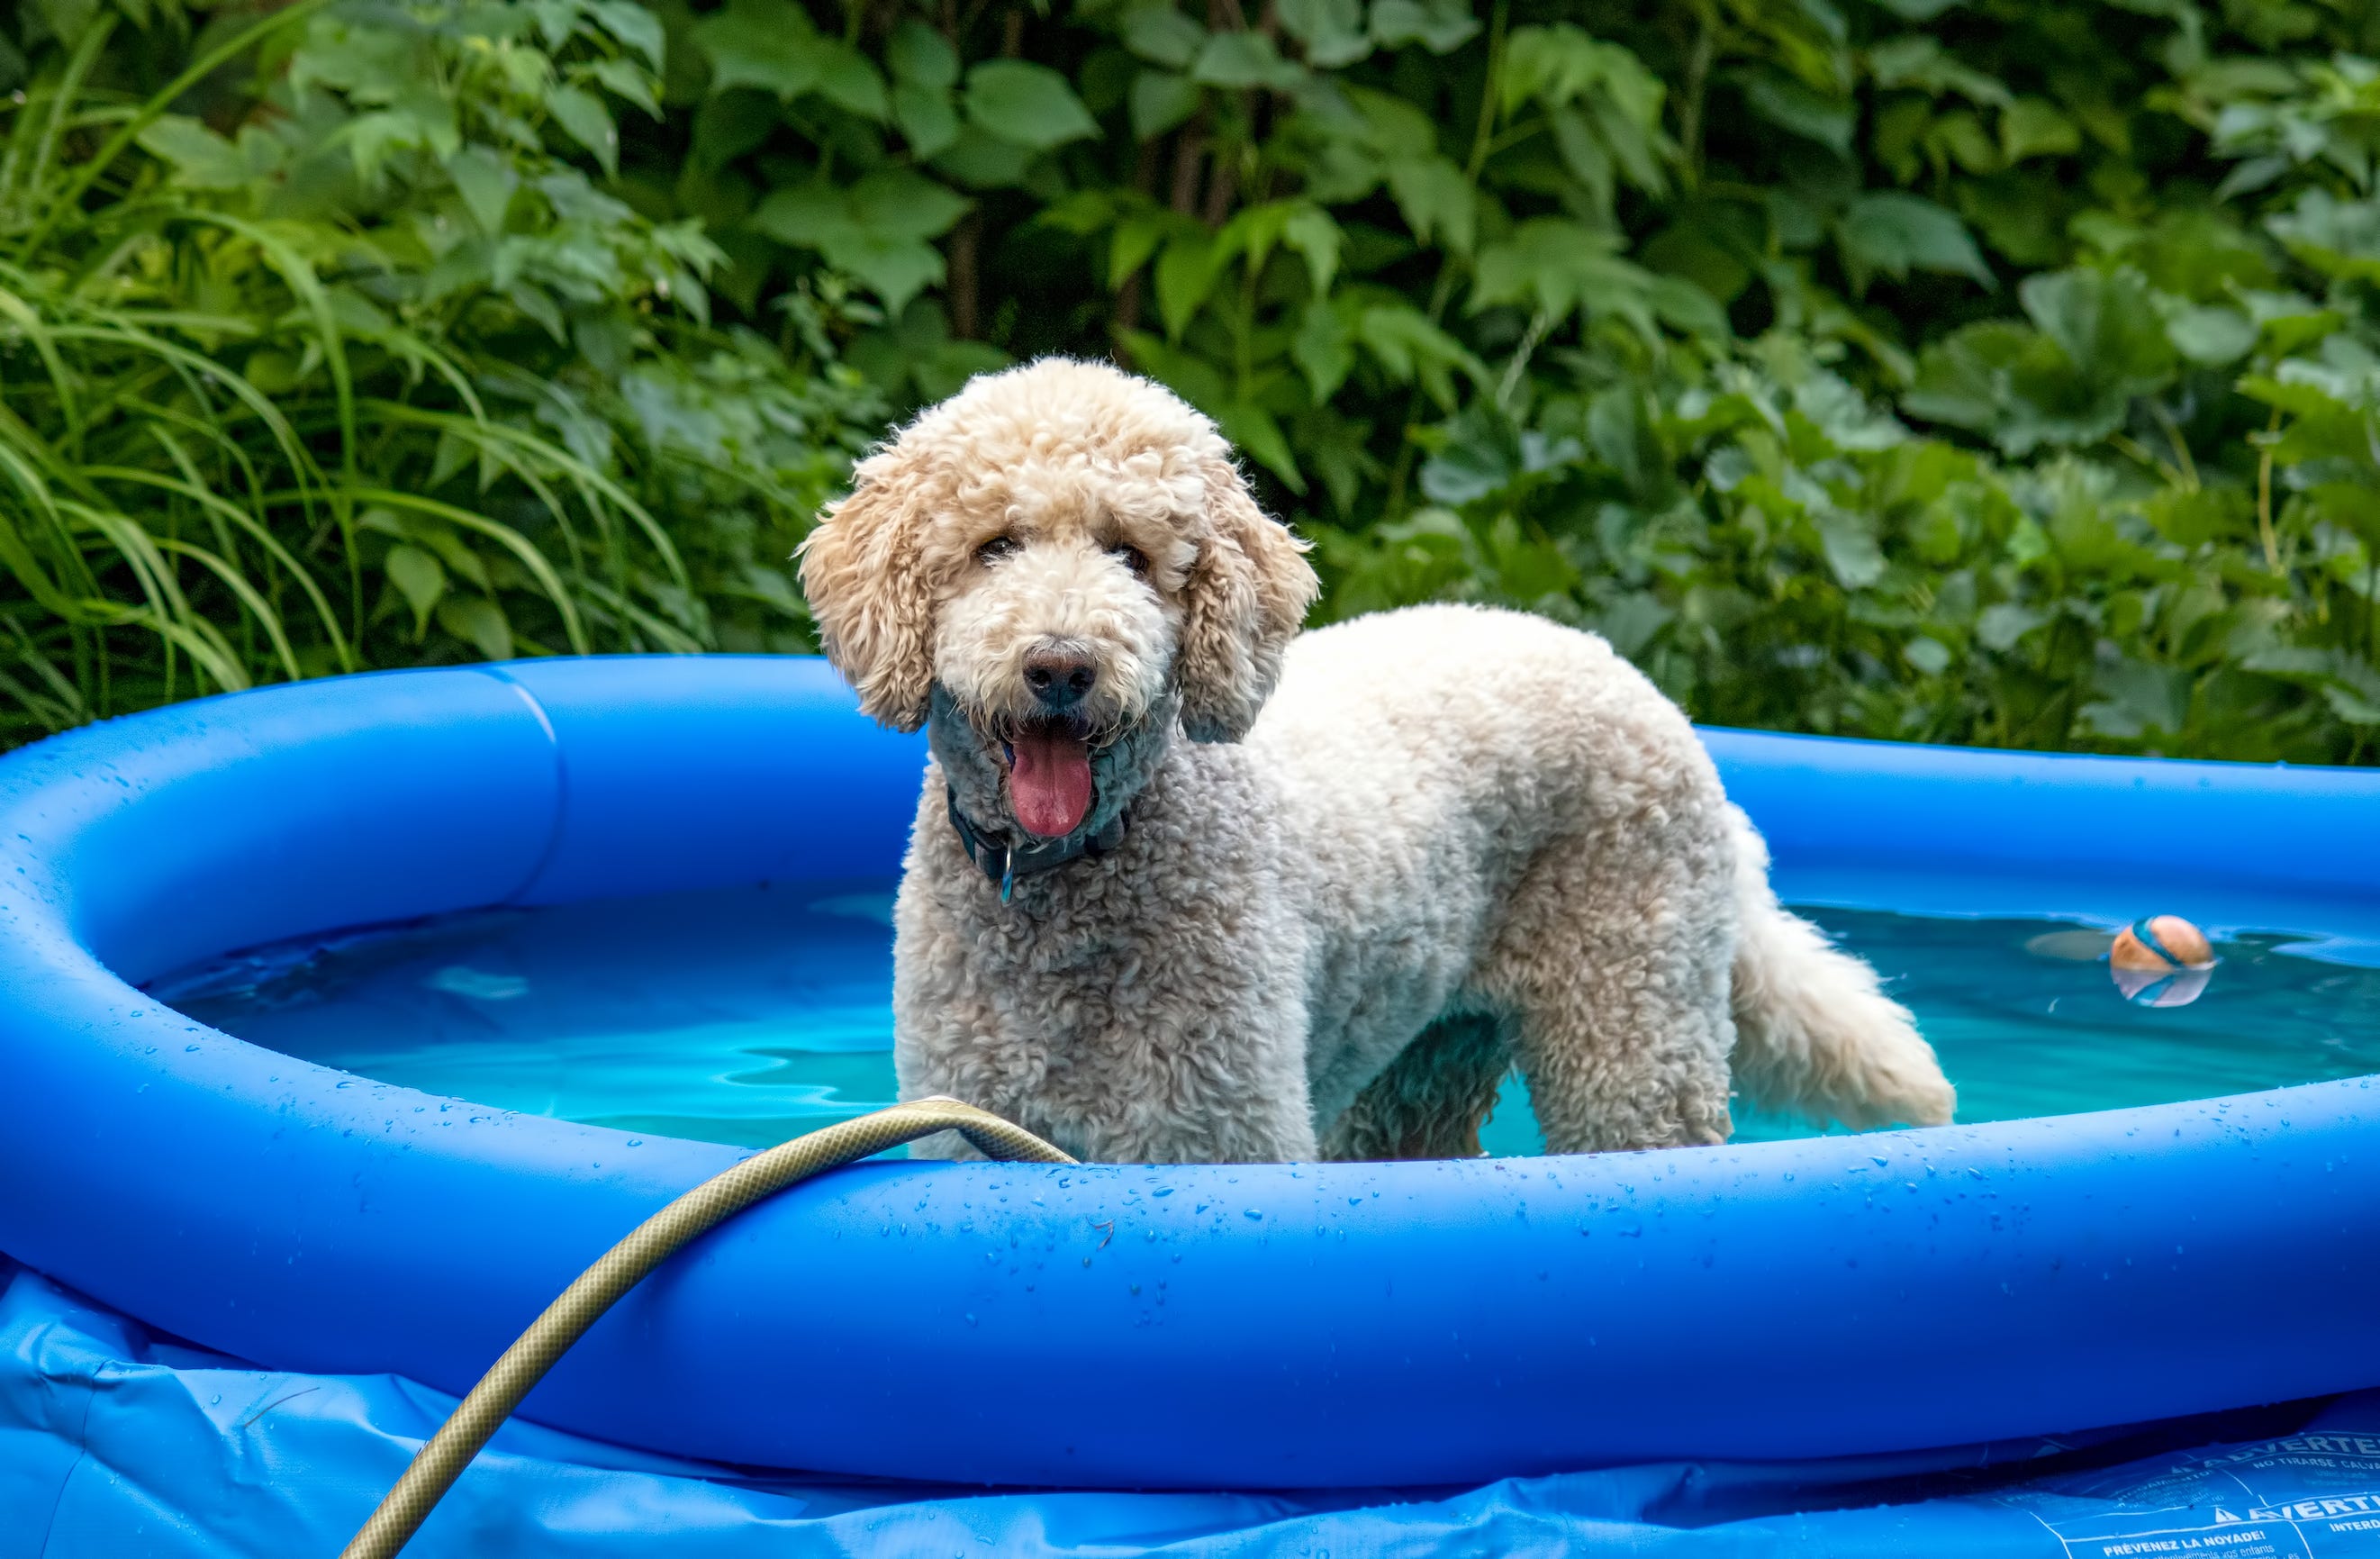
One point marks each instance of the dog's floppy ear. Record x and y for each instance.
(1246, 597)
(863, 569)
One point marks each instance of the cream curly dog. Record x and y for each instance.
(1150, 925)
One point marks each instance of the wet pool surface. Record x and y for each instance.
(753, 1014)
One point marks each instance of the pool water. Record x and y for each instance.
(753, 1014)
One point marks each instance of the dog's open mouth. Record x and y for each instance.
(1048, 777)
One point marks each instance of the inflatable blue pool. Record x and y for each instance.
(1247, 1327)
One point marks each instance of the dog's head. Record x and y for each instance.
(1062, 557)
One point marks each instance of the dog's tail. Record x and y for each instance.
(1814, 1033)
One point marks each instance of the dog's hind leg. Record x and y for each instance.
(1430, 1101)
(1615, 965)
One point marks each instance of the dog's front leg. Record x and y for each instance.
(1224, 1086)
(1154, 1083)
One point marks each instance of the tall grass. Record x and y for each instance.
(325, 352)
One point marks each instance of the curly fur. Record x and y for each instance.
(1365, 870)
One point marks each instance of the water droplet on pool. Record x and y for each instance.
(186, 1048)
(1254, 1213)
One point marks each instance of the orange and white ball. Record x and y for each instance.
(2163, 961)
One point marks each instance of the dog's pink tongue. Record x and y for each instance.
(1049, 782)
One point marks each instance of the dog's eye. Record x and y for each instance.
(1132, 558)
(994, 549)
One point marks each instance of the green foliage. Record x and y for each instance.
(1966, 370)
(323, 347)
(1992, 371)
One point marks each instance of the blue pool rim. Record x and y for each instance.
(1245, 1326)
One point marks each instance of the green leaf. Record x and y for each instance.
(1389, 125)
(2001, 625)
(1412, 350)
(1480, 455)
(1162, 35)
(486, 182)
(2196, 516)
(2137, 698)
(633, 25)
(1588, 159)
(1564, 64)
(626, 79)
(806, 214)
(420, 578)
(1971, 380)
(980, 160)
(1916, 62)
(874, 231)
(1931, 657)
(1684, 307)
(1896, 233)
(1185, 374)
(1435, 199)
(1253, 429)
(2339, 238)
(1030, 106)
(1791, 106)
(2098, 343)
(926, 119)
(728, 125)
(1332, 31)
(1323, 347)
(1439, 25)
(2108, 327)
(1851, 548)
(2033, 127)
(760, 44)
(202, 159)
(1133, 240)
(1252, 232)
(920, 56)
(1311, 233)
(477, 621)
(1555, 268)
(1160, 100)
(1185, 273)
(582, 114)
(905, 203)
(849, 80)
(2354, 504)
(1244, 59)
(67, 19)
(2213, 335)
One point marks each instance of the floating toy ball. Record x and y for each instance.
(2163, 961)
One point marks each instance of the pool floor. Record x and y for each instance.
(752, 1015)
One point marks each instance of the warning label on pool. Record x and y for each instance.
(2306, 1496)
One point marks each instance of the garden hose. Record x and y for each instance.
(441, 1460)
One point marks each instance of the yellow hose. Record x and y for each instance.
(441, 1460)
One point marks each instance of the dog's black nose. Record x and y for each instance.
(1059, 677)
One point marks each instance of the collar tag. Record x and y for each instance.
(1002, 862)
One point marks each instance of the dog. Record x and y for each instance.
(1187, 885)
